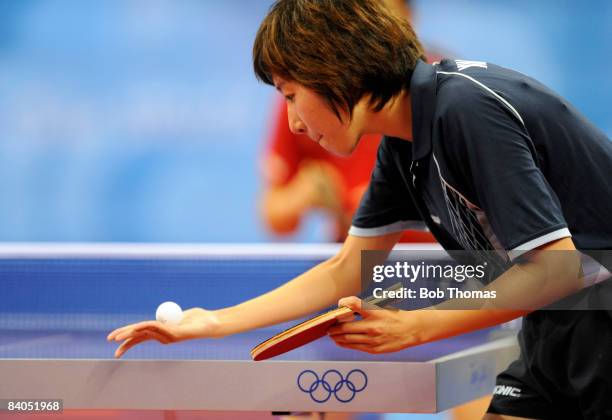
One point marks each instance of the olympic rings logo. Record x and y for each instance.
(332, 383)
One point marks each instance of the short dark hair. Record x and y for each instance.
(341, 49)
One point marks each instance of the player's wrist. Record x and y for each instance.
(421, 326)
(216, 327)
(229, 321)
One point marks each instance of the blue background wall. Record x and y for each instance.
(141, 120)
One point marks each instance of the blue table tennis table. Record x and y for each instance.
(59, 302)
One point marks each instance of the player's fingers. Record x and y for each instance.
(346, 318)
(148, 332)
(151, 333)
(124, 335)
(140, 327)
(355, 305)
(146, 325)
(352, 339)
(139, 338)
(119, 331)
(352, 302)
(356, 327)
(155, 335)
(361, 347)
(128, 344)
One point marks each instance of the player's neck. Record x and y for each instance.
(394, 120)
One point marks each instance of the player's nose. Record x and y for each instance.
(295, 124)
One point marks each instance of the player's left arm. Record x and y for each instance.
(494, 157)
(546, 275)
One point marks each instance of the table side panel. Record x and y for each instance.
(219, 385)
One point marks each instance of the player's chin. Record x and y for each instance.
(343, 149)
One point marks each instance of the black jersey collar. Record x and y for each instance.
(423, 99)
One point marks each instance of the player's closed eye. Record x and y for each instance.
(289, 98)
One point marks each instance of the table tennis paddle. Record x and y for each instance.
(309, 330)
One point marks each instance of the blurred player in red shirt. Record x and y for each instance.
(300, 176)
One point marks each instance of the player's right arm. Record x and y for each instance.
(317, 288)
(386, 209)
(311, 291)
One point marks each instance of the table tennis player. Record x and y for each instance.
(487, 158)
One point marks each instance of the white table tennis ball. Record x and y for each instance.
(169, 313)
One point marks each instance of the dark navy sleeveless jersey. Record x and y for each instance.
(498, 161)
